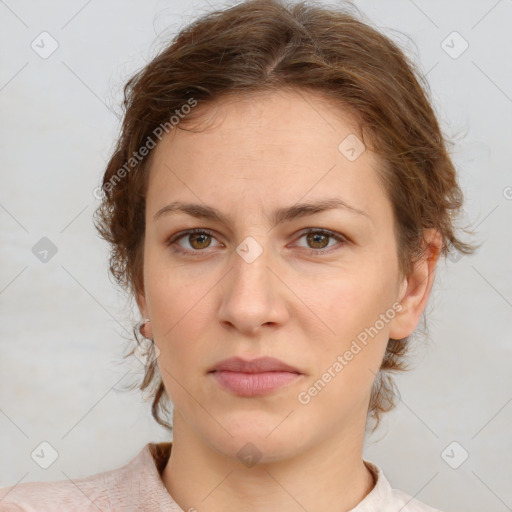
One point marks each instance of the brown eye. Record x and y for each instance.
(317, 240)
(201, 239)
(197, 239)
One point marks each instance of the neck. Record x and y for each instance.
(330, 476)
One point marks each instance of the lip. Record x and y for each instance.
(255, 377)
(258, 365)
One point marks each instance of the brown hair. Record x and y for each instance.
(265, 45)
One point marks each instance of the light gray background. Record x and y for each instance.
(63, 321)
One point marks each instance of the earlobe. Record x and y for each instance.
(415, 288)
(144, 326)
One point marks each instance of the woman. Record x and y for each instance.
(277, 203)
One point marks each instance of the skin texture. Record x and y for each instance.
(257, 154)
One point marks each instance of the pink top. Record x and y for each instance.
(138, 487)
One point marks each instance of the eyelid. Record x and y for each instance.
(182, 234)
(323, 231)
(327, 232)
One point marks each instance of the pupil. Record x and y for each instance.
(317, 239)
(201, 236)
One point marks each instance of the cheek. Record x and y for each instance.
(173, 293)
(178, 333)
(357, 307)
(347, 362)
(180, 316)
(348, 301)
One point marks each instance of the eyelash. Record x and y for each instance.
(312, 252)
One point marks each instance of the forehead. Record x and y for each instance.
(277, 148)
(280, 119)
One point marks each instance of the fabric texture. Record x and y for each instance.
(138, 487)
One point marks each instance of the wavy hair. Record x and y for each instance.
(267, 45)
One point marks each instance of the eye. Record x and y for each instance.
(198, 239)
(319, 240)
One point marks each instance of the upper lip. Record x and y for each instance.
(259, 365)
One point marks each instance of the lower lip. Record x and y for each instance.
(253, 384)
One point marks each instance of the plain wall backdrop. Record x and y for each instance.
(64, 324)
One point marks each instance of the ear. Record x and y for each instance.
(415, 288)
(146, 329)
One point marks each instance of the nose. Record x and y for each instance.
(253, 296)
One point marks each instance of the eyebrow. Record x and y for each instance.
(278, 216)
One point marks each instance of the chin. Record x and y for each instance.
(252, 443)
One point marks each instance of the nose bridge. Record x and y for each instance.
(251, 297)
(251, 271)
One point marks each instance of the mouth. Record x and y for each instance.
(254, 378)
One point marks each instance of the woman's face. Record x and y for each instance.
(249, 288)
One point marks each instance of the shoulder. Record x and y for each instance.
(408, 503)
(109, 490)
(54, 496)
(386, 499)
